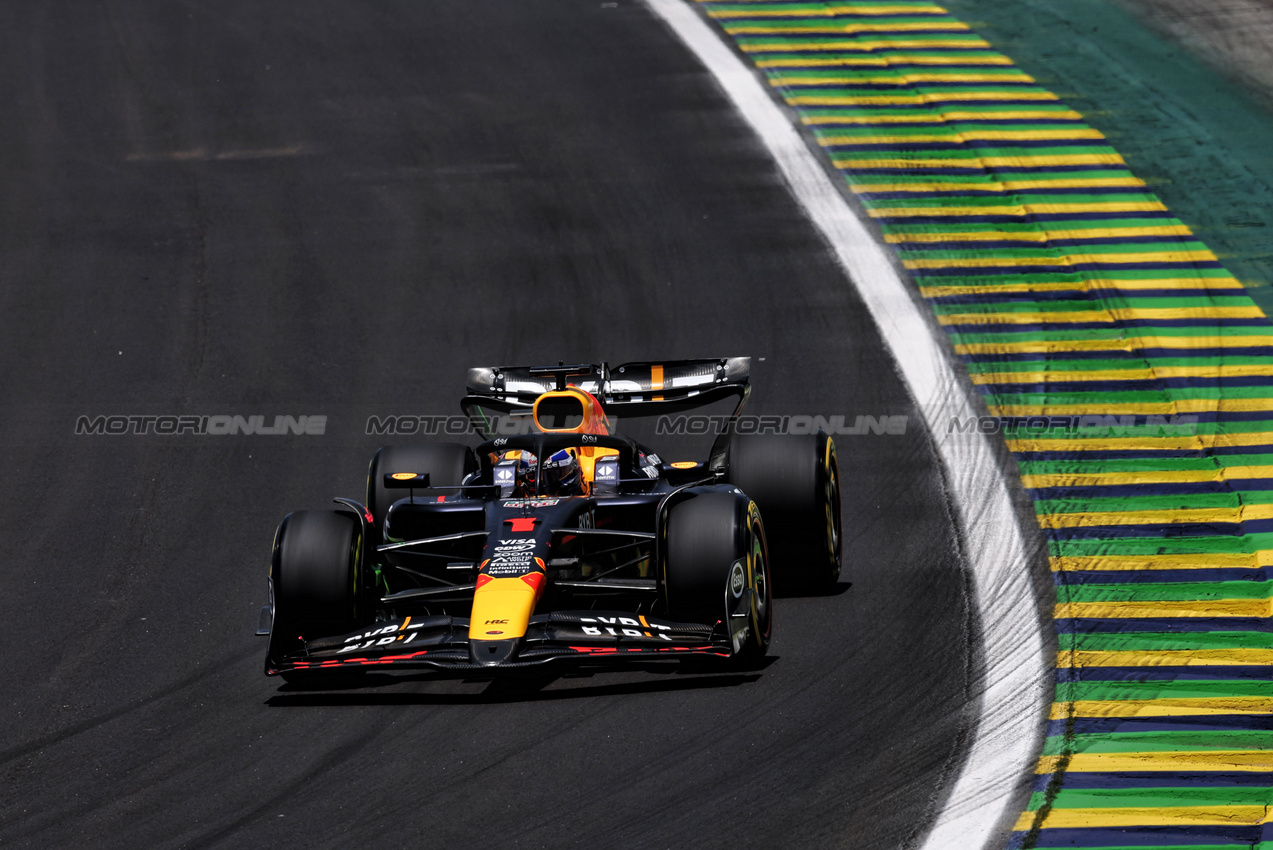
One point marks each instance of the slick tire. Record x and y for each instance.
(795, 479)
(315, 578)
(446, 464)
(706, 536)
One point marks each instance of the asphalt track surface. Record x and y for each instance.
(335, 208)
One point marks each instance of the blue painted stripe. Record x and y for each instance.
(1010, 147)
(790, 44)
(1160, 576)
(1113, 324)
(956, 219)
(997, 171)
(917, 12)
(1062, 424)
(1236, 354)
(1159, 836)
(1206, 723)
(1115, 491)
(953, 242)
(852, 88)
(1157, 779)
(1098, 298)
(1120, 625)
(901, 66)
(864, 122)
(1233, 381)
(1038, 194)
(1070, 269)
(734, 24)
(1205, 530)
(1199, 673)
(1141, 454)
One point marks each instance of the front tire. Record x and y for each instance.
(315, 579)
(711, 538)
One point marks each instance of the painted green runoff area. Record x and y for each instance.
(1203, 143)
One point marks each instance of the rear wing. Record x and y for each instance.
(630, 389)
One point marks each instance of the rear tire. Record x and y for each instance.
(315, 576)
(706, 536)
(796, 482)
(446, 463)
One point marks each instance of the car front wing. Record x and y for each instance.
(443, 642)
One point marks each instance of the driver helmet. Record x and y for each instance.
(561, 474)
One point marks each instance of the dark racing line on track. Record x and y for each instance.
(254, 209)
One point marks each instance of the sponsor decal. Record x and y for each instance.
(684, 464)
(531, 503)
(497, 622)
(403, 632)
(511, 557)
(403, 476)
(624, 627)
(737, 579)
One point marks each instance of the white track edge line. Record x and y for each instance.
(1014, 691)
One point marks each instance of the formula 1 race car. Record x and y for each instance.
(562, 542)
